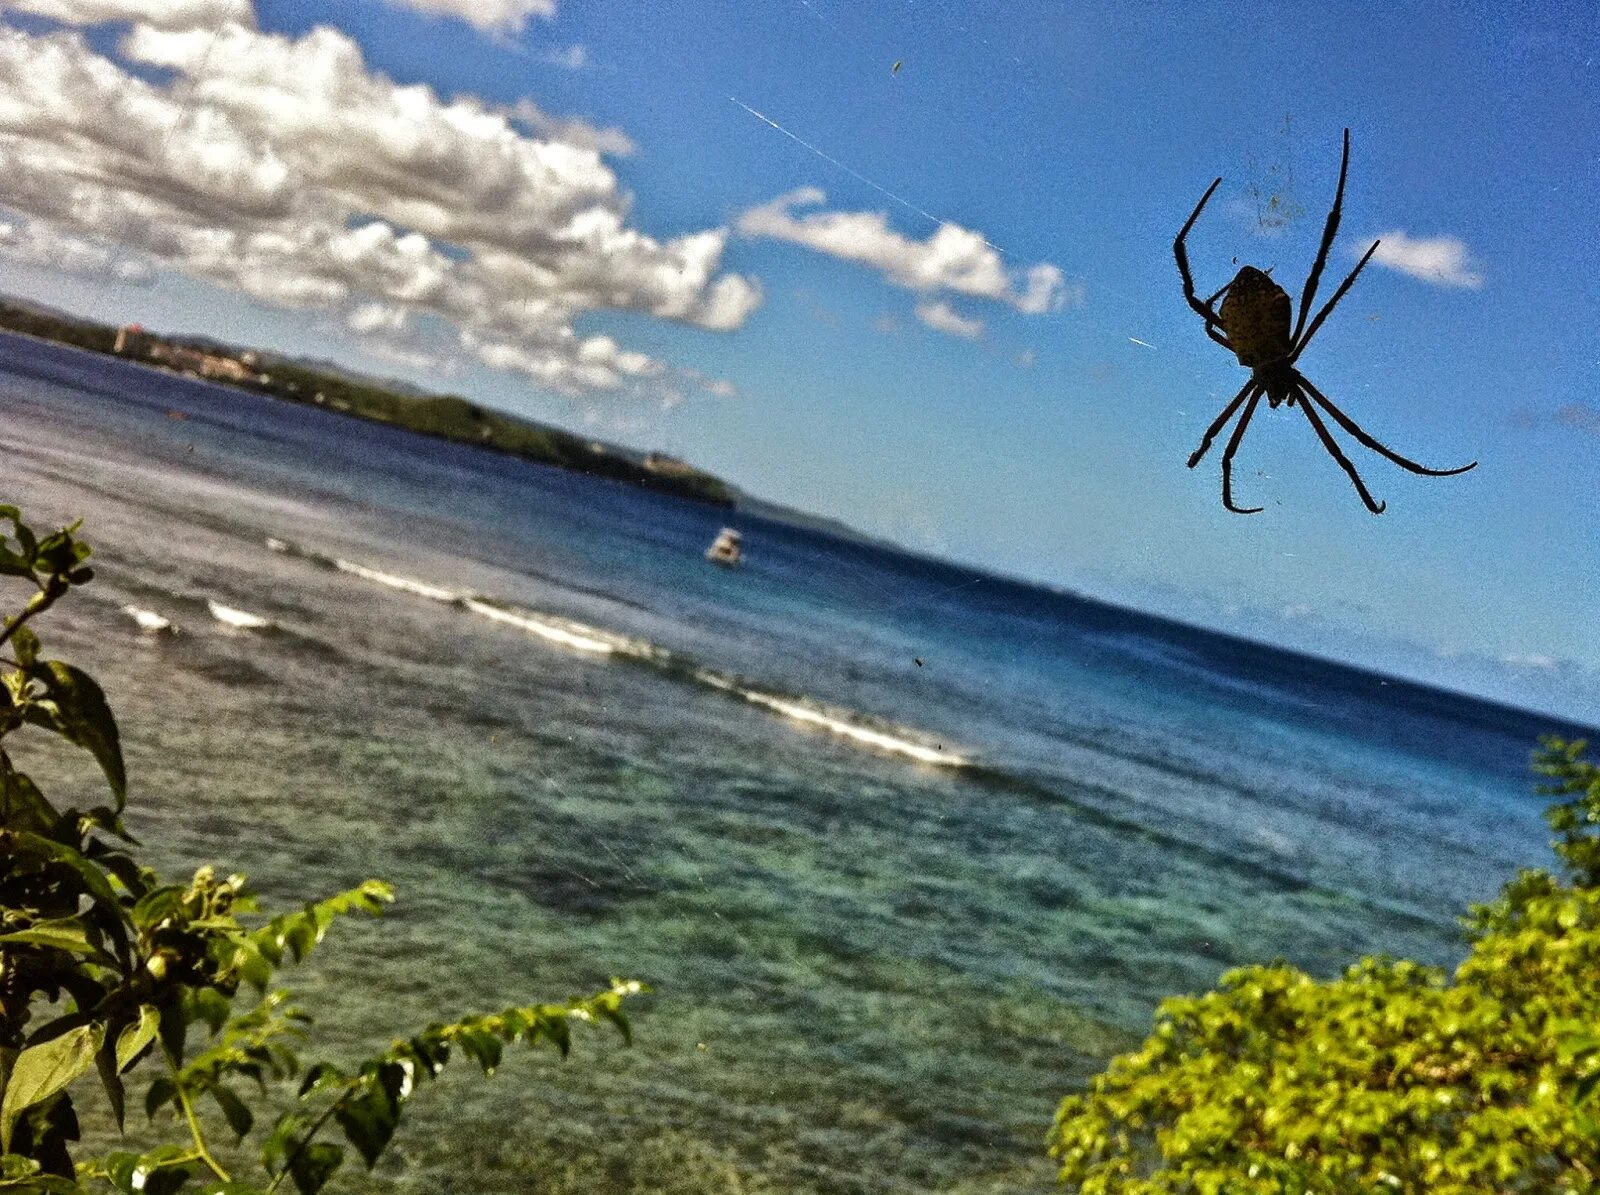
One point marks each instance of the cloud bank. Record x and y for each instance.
(288, 170)
(952, 258)
(158, 14)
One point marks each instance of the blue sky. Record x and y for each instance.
(1047, 442)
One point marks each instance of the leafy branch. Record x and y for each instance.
(105, 966)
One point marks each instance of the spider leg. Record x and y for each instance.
(1219, 423)
(1337, 454)
(1354, 429)
(1227, 458)
(1202, 309)
(1329, 231)
(1300, 345)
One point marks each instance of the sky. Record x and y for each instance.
(906, 264)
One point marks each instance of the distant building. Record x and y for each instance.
(133, 341)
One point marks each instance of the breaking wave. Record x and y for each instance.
(849, 725)
(149, 621)
(241, 620)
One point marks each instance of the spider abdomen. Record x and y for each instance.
(1257, 317)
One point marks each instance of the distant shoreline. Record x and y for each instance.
(439, 416)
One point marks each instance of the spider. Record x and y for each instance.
(1254, 323)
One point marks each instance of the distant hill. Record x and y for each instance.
(381, 400)
(789, 516)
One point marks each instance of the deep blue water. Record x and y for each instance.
(1142, 804)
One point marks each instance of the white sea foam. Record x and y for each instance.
(573, 635)
(149, 621)
(242, 619)
(836, 722)
(433, 593)
(594, 641)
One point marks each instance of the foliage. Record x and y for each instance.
(1396, 1076)
(105, 967)
(47, 325)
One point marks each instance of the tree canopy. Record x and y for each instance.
(1394, 1076)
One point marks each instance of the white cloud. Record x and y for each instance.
(1027, 358)
(289, 170)
(580, 133)
(377, 317)
(941, 317)
(38, 245)
(491, 16)
(1441, 260)
(953, 258)
(574, 58)
(160, 14)
(719, 387)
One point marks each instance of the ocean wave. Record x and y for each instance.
(241, 620)
(404, 584)
(850, 725)
(847, 724)
(553, 630)
(149, 621)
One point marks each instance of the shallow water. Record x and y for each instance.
(904, 849)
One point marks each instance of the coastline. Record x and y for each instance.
(438, 416)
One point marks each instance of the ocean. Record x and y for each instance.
(905, 850)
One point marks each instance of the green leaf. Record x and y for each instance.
(22, 805)
(105, 1061)
(132, 1041)
(94, 880)
(619, 1019)
(26, 644)
(280, 1142)
(314, 1165)
(14, 1167)
(174, 1029)
(369, 1121)
(323, 1074)
(41, 1071)
(239, 1116)
(83, 717)
(1585, 1088)
(162, 1091)
(157, 905)
(212, 1007)
(22, 1175)
(162, 1171)
(65, 934)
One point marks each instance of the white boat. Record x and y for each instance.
(726, 549)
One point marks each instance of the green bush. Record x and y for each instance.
(107, 968)
(1394, 1077)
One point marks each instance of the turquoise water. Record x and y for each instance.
(872, 972)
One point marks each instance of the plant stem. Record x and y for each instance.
(300, 1147)
(187, 1105)
(40, 602)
